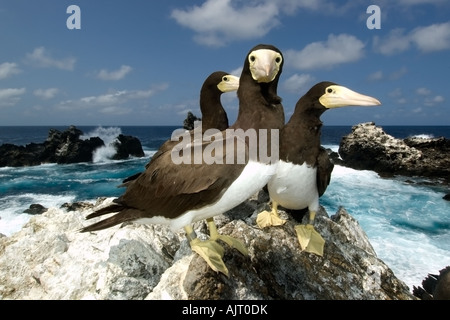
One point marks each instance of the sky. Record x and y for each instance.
(143, 63)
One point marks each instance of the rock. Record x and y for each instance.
(65, 147)
(368, 147)
(50, 259)
(35, 209)
(435, 286)
(127, 146)
(189, 122)
(446, 197)
(16, 156)
(77, 206)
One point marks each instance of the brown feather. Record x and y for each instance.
(170, 190)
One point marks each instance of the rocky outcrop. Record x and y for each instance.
(435, 286)
(50, 259)
(126, 146)
(368, 147)
(65, 147)
(189, 122)
(35, 208)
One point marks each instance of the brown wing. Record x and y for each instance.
(170, 189)
(324, 169)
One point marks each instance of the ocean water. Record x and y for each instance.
(406, 219)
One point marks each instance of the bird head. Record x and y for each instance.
(265, 63)
(332, 95)
(228, 83)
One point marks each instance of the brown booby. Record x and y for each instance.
(304, 169)
(214, 115)
(180, 194)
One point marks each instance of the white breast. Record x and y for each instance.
(294, 186)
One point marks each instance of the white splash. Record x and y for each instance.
(109, 137)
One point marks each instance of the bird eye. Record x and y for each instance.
(278, 60)
(252, 58)
(329, 90)
(225, 78)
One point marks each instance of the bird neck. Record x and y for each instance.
(259, 105)
(213, 113)
(300, 137)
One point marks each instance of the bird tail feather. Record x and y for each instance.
(123, 215)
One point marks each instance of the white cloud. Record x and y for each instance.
(338, 49)
(114, 75)
(415, 2)
(395, 42)
(216, 22)
(431, 101)
(9, 97)
(298, 83)
(111, 102)
(8, 69)
(397, 74)
(46, 93)
(116, 110)
(432, 38)
(402, 101)
(423, 91)
(376, 76)
(435, 37)
(291, 6)
(438, 99)
(41, 58)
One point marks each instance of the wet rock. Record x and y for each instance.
(65, 147)
(35, 209)
(368, 147)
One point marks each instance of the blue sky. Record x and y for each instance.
(140, 62)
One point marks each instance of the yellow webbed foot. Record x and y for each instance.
(310, 240)
(209, 250)
(269, 218)
(232, 242)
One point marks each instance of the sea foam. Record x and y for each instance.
(109, 136)
(387, 209)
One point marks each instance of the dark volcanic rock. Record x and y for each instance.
(369, 148)
(127, 146)
(35, 209)
(65, 147)
(189, 122)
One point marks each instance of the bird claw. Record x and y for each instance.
(310, 240)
